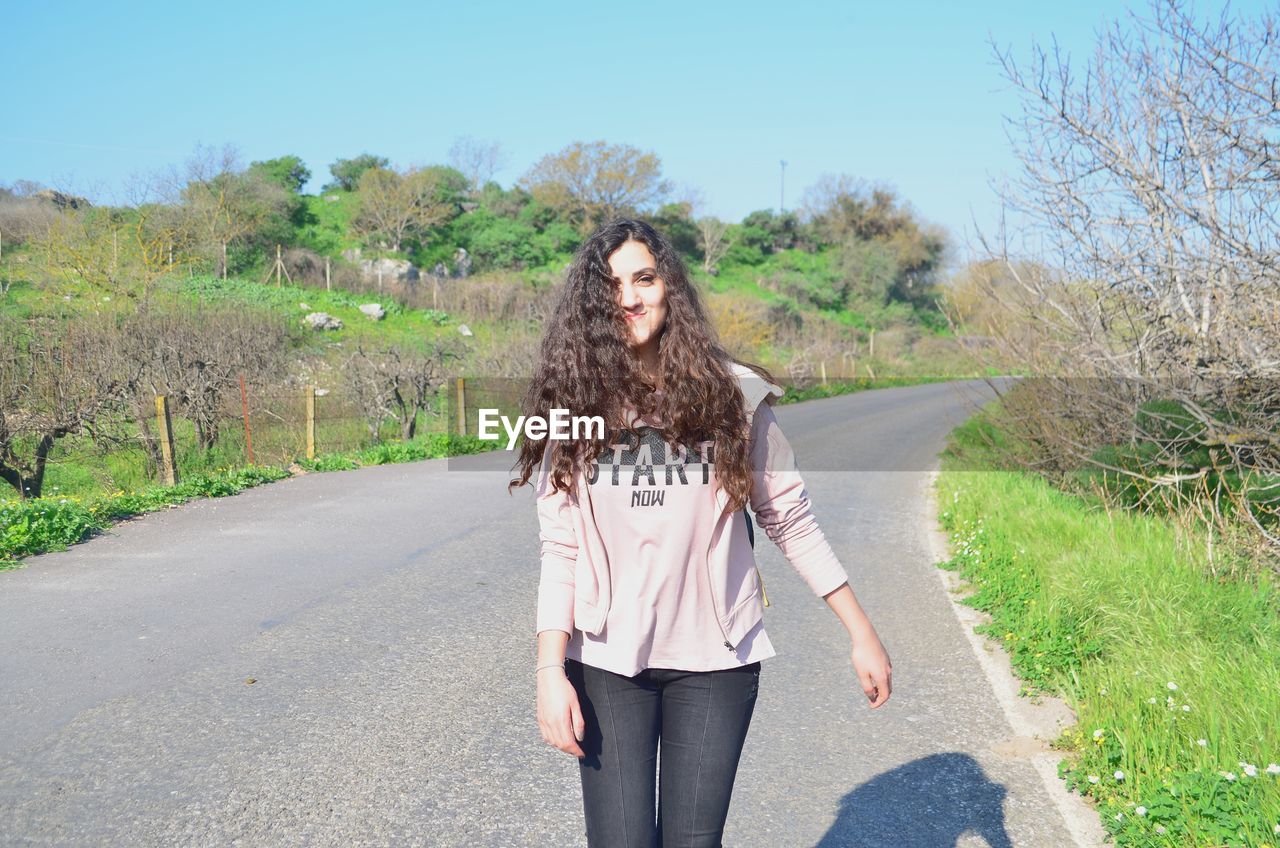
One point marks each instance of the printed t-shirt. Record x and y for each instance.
(660, 498)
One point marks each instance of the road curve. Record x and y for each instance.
(385, 617)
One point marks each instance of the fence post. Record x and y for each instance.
(244, 409)
(823, 366)
(326, 274)
(462, 406)
(311, 422)
(168, 469)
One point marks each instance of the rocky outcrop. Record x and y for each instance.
(62, 200)
(462, 262)
(322, 321)
(392, 270)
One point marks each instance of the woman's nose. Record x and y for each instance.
(628, 295)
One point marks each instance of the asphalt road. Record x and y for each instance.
(385, 617)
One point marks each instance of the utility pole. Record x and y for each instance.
(782, 188)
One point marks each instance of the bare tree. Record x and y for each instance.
(416, 378)
(477, 160)
(396, 204)
(396, 382)
(23, 216)
(1148, 196)
(595, 182)
(220, 201)
(714, 238)
(57, 379)
(196, 356)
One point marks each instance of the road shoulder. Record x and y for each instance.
(1036, 722)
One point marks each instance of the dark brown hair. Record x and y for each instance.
(587, 367)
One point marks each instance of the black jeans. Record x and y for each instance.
(701, 719)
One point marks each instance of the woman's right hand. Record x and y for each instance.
(559, 715)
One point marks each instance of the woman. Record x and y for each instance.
(650, 622)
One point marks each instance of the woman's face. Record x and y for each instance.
(642, 294)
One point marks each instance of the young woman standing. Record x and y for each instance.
(650, 627)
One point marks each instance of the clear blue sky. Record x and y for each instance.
(902, 93)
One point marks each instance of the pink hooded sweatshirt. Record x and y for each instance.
(643, 571)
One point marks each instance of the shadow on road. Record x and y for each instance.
(927, 803)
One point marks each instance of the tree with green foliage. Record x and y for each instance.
(347, 172)
(591, 183)
(771, 232)
(395, 205)
(119, 251)
(525, 241)
(288, 172)
(841, 209)
(675, 220)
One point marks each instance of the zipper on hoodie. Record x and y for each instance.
(727, 644)
(711, 587)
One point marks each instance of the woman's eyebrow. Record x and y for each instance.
(635, 274)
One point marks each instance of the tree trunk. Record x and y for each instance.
(35, 484)
(147, 439)
(207, 434)
(13, 477)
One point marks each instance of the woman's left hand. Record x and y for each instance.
(875, 671)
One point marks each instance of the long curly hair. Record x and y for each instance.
(587, 367)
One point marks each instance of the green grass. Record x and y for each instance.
(1174, 675)
(328, 222)
(53, 523)
(401, 325)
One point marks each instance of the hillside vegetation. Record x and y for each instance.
(244, 302)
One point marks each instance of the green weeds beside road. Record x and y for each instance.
(1174, 674)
